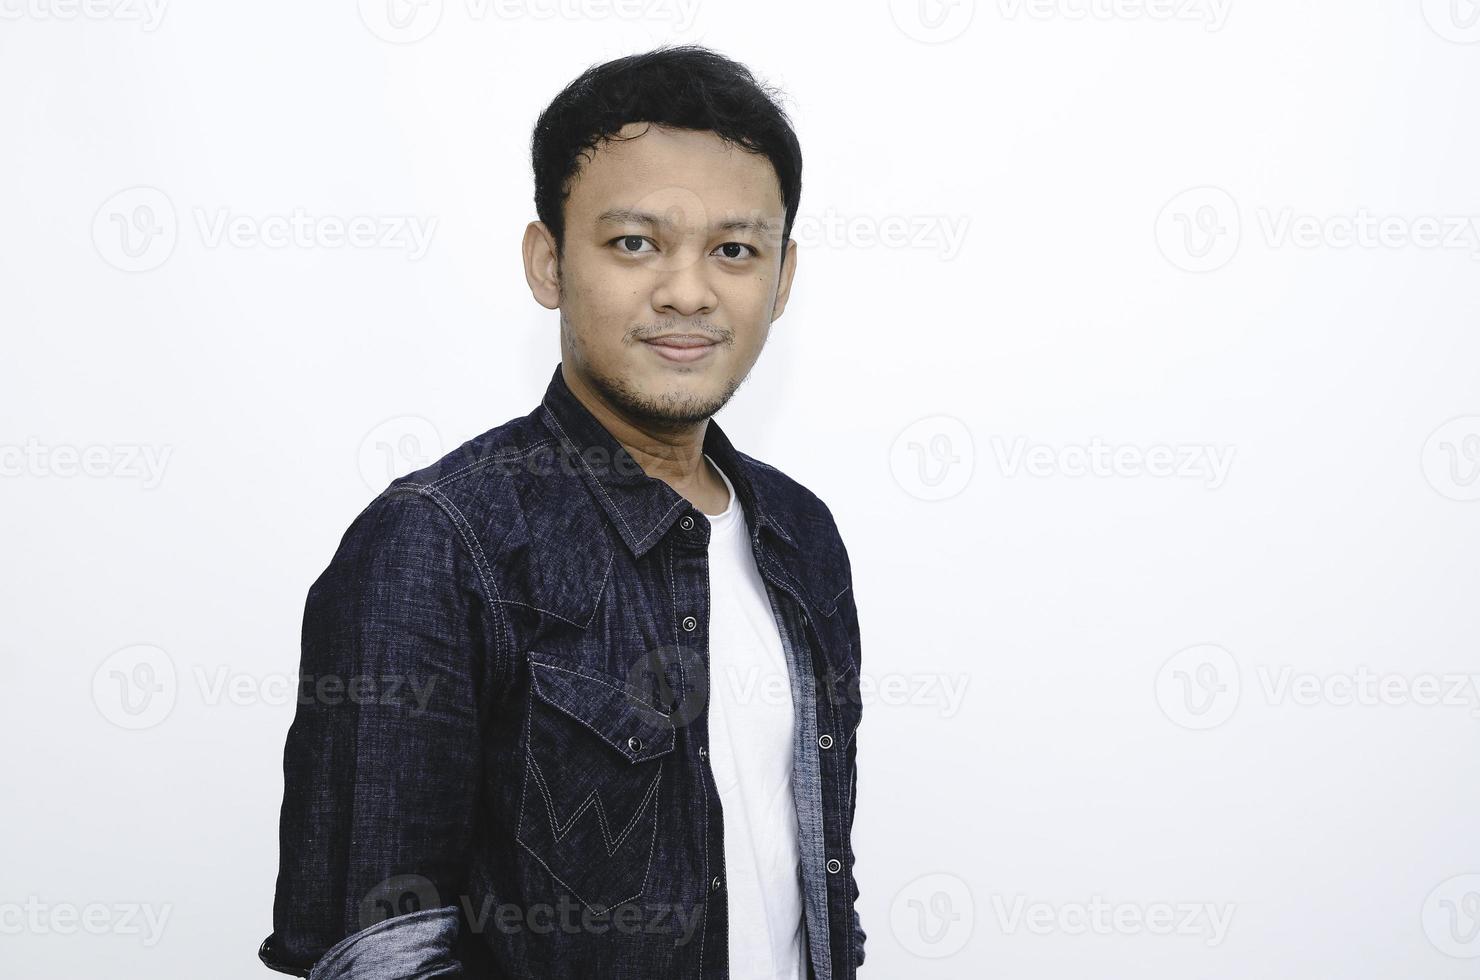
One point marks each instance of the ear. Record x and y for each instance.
(788, 270)
(541, 268)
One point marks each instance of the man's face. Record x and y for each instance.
(671, 232)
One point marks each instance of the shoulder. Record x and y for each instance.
(430, 514)
(817, 558)
(479, 463)
(801, 510)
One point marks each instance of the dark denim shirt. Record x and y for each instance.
(498, 766)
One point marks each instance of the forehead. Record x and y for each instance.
(689, 177)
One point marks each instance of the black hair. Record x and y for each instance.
(684, 87)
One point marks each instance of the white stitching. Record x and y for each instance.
(834, 602)
(464, 532)
(601, 489)
(595, 598)
(477, 463)
(593, 800)
(620, 690)
(681, 501)
(639, 542)
(533, 768)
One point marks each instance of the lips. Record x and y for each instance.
(682, 348)
(682, 340)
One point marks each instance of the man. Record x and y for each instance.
(607, 664)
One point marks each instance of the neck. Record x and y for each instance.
(674, 454)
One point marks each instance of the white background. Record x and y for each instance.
(943, 394)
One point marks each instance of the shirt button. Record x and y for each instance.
(687, 523)
(689, 622)
(824, 741)
(714, 885)
(703, 752)
(833, 866)
(634, 743)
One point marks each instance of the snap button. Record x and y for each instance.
(689, 622)
(834, 866)
(634, 743)
(703, 752)
(824, 741)
(714, 885)
(687, 523)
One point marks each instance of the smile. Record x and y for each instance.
(681, 350)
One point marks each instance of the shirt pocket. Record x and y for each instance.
(592, 788)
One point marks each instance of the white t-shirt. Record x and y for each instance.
(751, 735)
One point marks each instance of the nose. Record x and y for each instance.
(684, 288)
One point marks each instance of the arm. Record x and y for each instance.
(381, 762)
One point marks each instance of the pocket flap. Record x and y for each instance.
(599, 703)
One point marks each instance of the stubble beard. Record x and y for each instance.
(669, 411)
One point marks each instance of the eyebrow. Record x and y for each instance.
(627, 216)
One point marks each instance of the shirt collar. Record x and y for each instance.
(642, 508)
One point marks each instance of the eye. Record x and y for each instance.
(631, 244)
(727, 246)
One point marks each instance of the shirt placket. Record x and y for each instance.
(806, 767)
(687, 550)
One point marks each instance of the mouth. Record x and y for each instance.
(682, 348)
